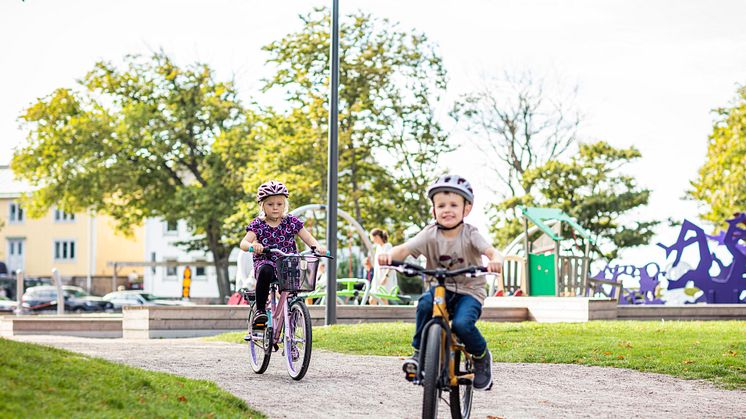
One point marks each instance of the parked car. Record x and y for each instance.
(140, 298)
(6, 304)
(76, 299)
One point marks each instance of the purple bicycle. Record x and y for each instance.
(288, 319)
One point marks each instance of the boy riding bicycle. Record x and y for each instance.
(451, 244)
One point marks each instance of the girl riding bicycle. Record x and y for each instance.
(452, 244)
(273, 227)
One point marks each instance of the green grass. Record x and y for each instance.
(714, 351)
(38, 381)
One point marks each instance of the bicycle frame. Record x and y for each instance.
(440, 316)
(280, 314)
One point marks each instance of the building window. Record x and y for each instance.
(199, 270)
(63, 217)
(171, 270)
(16, 213)
(152, 259)
(64, 250)
(171, 227)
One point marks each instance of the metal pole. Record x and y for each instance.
(331, 208)
(19, 291)
(60, 295)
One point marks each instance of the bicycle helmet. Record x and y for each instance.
(452, 183)
(271, 188)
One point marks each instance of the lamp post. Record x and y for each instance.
(331, 207)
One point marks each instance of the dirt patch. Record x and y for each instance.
(355, 386)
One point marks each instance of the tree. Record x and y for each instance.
(721, 181)
(589, 188)
(389, 80)
(517, 126)
(137, 143)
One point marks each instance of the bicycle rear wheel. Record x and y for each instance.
(298, 340)
(433, 367)
(462, 394)
(260, 345)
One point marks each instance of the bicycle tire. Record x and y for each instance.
(300, 335)
(260, 350)
(462, 394)
(433, 366)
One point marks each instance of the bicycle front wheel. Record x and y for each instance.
(433, 366)
(260, 345)
(298, 340)
(462, 394)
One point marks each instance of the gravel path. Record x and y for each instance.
(363, 386)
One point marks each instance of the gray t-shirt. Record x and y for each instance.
(466, 249)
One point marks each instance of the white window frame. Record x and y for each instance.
(15, 213)
(167, 231)
(61, 216)
(64, 250)
(171, 276)
(203, 275)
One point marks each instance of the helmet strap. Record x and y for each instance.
(441, 227)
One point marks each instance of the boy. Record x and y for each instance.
(452, 244)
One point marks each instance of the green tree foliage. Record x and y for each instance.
(137, 143)
(721, 181)
(389, 81)
(590, 188)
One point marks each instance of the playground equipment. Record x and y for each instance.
(551, 267)
(727, 286)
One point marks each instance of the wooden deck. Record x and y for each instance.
(683, 312)
(172, 322)
(83, 325)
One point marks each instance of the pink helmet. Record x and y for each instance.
(271, 188)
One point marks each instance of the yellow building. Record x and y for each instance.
(78, 245)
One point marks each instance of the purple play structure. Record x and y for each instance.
(726, 287)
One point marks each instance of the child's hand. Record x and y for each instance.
(495, 265)
(256, 248)
(320, 250)
(384, 259)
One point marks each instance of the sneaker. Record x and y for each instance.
(483, 371)
(260, 321)
(410, 366)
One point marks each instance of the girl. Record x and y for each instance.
(273, 227)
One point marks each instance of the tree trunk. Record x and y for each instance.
(220, 255)
(224, 283)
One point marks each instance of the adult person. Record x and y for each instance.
(383, 279)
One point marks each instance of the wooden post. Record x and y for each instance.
(586, 265)
(527, 247)
(19, 291)
(60, 294)
(114, 278)
(557, 269)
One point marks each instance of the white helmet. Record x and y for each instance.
(452, 183)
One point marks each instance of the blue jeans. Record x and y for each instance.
(464, 309)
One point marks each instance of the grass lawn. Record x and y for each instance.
(713, 350)
(39, 381)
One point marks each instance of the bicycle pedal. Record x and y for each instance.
(465, 381)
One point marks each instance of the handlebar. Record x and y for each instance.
(270, 249)
(410, 269)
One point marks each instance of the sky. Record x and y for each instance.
(649, 72)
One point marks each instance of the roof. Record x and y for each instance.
(539, 215)
(10, 187)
